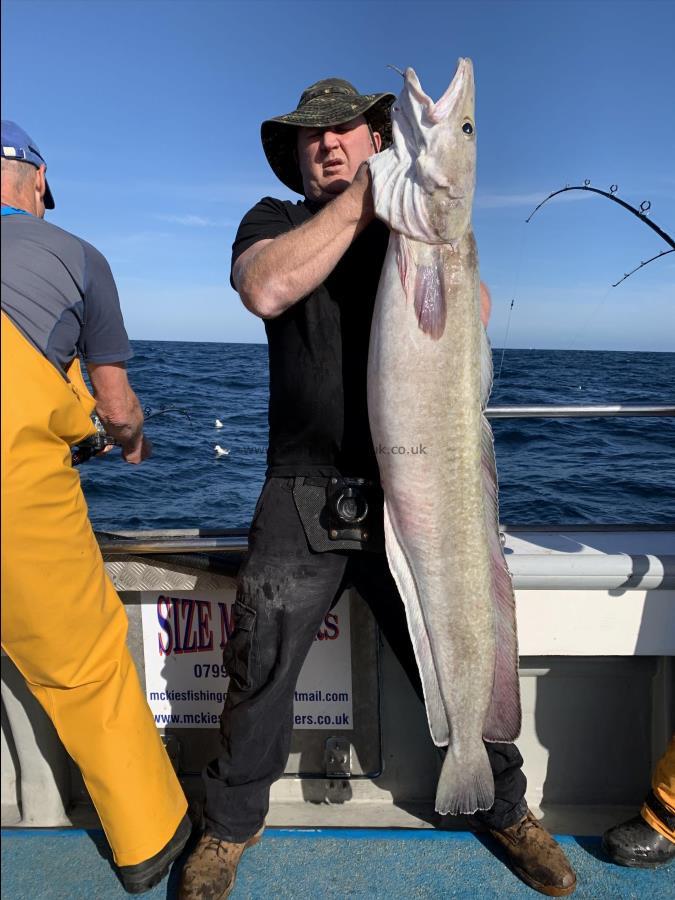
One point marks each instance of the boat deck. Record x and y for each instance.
(68, 864)
(596, 620)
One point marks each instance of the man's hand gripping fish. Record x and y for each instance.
(429, 377)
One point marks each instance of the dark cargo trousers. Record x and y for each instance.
(285, 590)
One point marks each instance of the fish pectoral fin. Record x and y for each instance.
(430, 300)
(407, 588)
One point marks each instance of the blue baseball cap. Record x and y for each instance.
(17, 145)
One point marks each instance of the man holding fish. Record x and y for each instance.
(332, 502)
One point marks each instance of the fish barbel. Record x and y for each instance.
(429, 377)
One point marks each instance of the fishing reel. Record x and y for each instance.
(98, 442)
(93, 445)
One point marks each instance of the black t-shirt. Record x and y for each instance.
(318, 353)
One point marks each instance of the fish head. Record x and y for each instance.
(423, 185)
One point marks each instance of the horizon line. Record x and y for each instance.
(494, 348)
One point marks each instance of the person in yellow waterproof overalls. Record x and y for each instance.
(648, 840)
(63, 624)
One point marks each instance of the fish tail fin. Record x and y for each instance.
(465, 785)
(407, 588)
(503, 719)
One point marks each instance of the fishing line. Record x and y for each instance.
(600, 303)
(514, 293)
(506, 337)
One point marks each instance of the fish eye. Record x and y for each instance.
(467, 128)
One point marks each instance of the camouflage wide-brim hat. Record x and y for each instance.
(328, 102)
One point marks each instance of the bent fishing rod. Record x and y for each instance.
(641, 214)
(97, 443)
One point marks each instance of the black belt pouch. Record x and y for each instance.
(340, 513)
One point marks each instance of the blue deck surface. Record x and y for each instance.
(61, 864)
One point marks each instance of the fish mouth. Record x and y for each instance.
(462, 80)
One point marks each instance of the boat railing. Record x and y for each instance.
(234, 541)
(577, 412)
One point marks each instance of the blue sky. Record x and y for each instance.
(148, 113)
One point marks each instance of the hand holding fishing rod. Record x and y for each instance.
(134, 449)
(103, 442)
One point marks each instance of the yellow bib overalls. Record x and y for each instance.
(663, 786)
(63, 624)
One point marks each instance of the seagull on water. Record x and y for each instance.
(219, 424)
(220, 451)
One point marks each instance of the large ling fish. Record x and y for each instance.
(429, 377)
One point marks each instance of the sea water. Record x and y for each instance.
(555, 471)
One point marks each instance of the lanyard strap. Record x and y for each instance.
(13, 211)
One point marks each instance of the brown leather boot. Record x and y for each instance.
(536, 857)
(211, 869)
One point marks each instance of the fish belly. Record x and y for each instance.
(427, 425)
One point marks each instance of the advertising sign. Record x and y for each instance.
(184, 634)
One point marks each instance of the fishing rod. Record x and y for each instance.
(148, 414)
(641, 214)
(98, 442)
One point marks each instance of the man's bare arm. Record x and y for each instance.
(274, 274)
(118, 408)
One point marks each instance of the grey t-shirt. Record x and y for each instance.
(59, 291)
